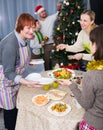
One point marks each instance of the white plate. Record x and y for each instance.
(33, 77)
(54, 112)
(44, 80)
(38, 98)
(50, 74)
(37, 77)
(37, 61)
(56, 94)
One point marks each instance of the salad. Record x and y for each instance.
(62, 74)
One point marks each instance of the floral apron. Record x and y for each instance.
(8, 89)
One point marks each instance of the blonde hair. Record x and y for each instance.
(91, 14)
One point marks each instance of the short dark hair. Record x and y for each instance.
(24, 19)
(96, 36)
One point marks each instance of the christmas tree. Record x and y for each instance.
(67, 27)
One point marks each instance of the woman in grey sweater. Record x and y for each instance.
(91, 96)
(14, 58)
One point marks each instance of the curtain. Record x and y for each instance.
(86, 4)
(10, 9)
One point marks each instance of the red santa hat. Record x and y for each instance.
(39, 9)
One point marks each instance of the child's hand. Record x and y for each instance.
(43, 43)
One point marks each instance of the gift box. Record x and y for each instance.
(73, 66)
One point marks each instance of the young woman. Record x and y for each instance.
(91, 96)
(14, 57)
(87, 19)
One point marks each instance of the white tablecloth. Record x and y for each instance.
(32, 117)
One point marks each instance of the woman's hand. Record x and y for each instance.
(64, 82)
(61, 46)
(77, 56)
(34, 84)
(30, 83)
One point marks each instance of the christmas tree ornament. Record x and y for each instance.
(61, 14)
(67, 3)
(73, 22)
(66, 29)
(72, 41)
(68, 25)
(59, 38)
(67, 14)
(64, 1)
(46, 39)
(76, 33)
(71, 11)
(78, 7)
(64, 19)
(70, 33)
(54, 44)
(58, 28)
(57, 49)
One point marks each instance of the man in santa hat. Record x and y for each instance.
(47, 25)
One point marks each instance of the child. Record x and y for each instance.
(91, 96)
(37, 43)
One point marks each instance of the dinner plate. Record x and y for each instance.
(44, 80)
(56, 94)
(40, 100)
(64, 74)
(37, 77)
(37, 61)
(56, 113)
(33, 77)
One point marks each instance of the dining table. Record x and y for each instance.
(33, 117)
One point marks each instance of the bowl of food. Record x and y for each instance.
(62, 73)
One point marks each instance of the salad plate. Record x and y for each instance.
(62, 73)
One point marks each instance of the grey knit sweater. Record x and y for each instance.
(91, 97)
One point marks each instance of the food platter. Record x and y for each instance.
(56, 94)
(62, 73)
(40, 100)
(59, 108)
